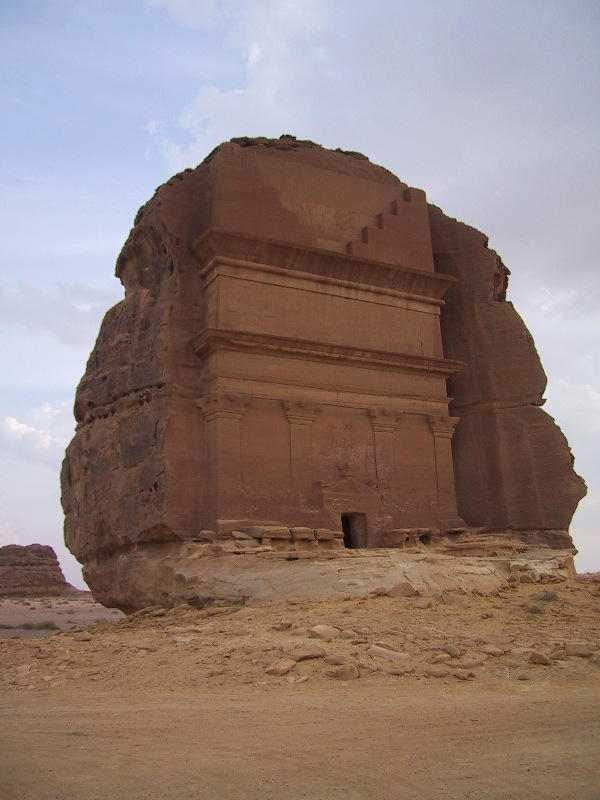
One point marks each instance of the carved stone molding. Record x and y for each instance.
(384, 420)
(211, 340)
(219, 405)
(300, 412)
(442, 426)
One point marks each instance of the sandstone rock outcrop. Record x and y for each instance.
(512, 464)
(273, 385)
(31, 571)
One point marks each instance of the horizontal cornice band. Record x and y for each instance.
(213, 339)
(215, 243)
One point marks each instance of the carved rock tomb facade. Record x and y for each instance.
(308, 356)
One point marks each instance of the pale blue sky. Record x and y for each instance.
(491, 107)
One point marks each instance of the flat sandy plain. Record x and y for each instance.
(179, 704)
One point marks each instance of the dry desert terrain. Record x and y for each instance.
(455, 696)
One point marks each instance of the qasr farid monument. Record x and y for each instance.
(311, 365)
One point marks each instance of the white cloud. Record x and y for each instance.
(475, 105)
(49, 412)
(16, 429)
(286, 63)
(71, 313)
(40, 445)
(199, 13)
(9, 532)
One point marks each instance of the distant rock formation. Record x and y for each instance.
(277, 382)
(31, 571)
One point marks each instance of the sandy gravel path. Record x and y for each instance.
(306, 743)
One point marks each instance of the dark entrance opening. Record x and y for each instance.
(354, 527)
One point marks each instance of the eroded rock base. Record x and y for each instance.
(275, 562)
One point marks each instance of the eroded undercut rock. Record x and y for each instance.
(272, 391)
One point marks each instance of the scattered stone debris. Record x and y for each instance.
(353, 640)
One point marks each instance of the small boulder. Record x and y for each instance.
(324, 632)
(335, 661)
(463, 674)
(281, 626)
(390, 655)
(281, 667)
(492, 650)
(402, 589)
(578, 649)
(301, 652)
(558, 654)
(344, 672)
(436, 672)
(451, 649)
(538, 658)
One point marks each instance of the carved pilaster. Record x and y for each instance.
(442, 428)
(384, 422)
(223, 413)
(299, 412)
(221, 405)
(300, 416)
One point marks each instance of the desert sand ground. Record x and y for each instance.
(447, 697)
(34, 617)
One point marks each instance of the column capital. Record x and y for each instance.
(300, 412)
(442, 426)
(218, 405)
(384, 419)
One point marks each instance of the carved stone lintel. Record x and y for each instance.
(384, 419)
(300, 412)
(219, 405)
(442, 426)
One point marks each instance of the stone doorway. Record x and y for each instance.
(354, 526)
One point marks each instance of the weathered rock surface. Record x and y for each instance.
(31, 571)
(513, 466)
(177, 572)
(273, 388)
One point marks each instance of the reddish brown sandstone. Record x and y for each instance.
(513, 466)
(278, 361)
(31, 571)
